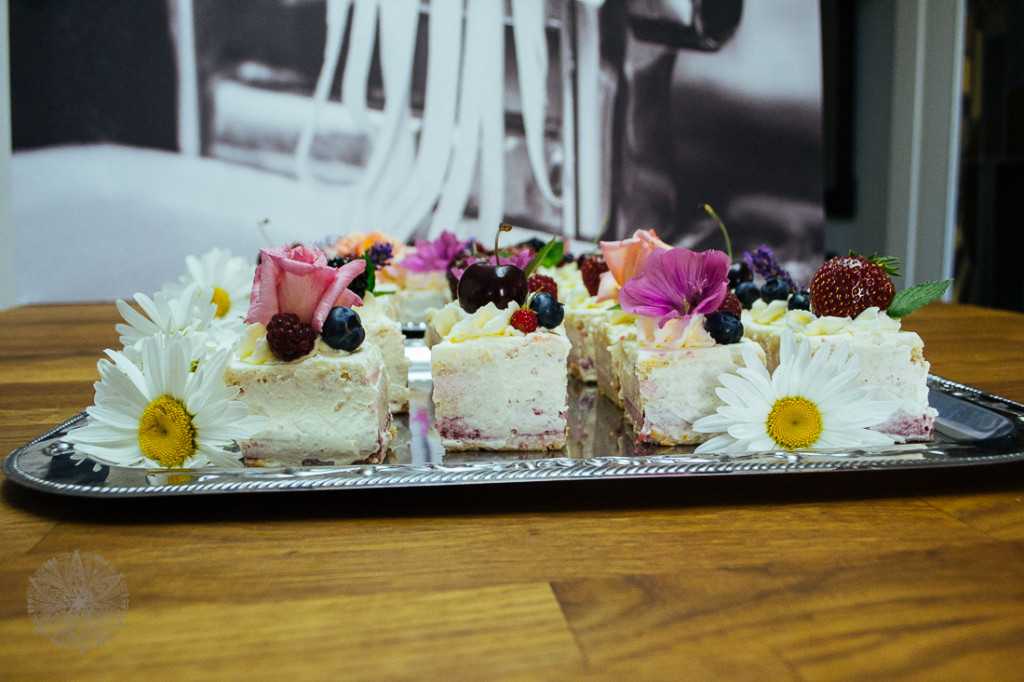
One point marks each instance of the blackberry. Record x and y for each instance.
(739, 272)
(358, 285)
(288, 338)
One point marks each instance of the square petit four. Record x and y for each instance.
(328, 407)
(496, 387)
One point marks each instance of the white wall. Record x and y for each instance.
(6, 227)
(906, 135)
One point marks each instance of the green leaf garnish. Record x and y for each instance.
(918, 296)
(371, 275)
(549, 255)
(890, 264)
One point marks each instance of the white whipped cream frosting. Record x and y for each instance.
(777, 314)
(253, 348)
(677, 333)
(454, 324)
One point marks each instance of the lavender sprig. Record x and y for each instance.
(380, 254)
(763, 262)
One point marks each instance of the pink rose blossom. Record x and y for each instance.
(625, 259)
(299, 280)
(677, 284)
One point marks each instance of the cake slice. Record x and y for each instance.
(385, 332)
(329, 407)
(664, 391)
(891, 359)
(496, 387)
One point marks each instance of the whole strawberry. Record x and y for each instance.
(591, 269)
(846, 286)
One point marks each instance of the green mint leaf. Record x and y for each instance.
(918, 296)
(540, 258)
(371, 276)
(554, 256)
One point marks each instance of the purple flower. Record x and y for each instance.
(764, 263)
(380, 254)
(433, 255)
(676, 284)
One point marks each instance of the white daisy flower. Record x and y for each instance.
(228, 277)
(810, 402)
(162, 414)
(189, 310)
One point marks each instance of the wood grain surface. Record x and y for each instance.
(913, 575)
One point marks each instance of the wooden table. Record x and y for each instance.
(868, 575)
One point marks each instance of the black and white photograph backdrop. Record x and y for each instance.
(147, 130)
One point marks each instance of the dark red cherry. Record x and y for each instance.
(484, 283)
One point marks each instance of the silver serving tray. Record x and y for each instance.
(973, 428)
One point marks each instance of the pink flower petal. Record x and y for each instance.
(676, 284)
(298, 280)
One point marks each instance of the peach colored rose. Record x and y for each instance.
(626, 258)
(299, 280)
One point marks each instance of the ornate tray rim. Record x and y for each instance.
(1006, 447)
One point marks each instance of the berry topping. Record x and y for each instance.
(724, 327)
(524, 320)
(591, 270)
(550, 312)
(542, 283)
(731, 304)
(288, 338)
(496, 283)
(740, 272)
(846, 286)
(343, 330)
(747, 293)
(774, 289)
(358, 285)
(799, 301)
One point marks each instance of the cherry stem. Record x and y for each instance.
(503, 227)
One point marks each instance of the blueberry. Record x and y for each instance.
(774, 290)
(724, 327)
(739, 272)
(800, 301)
(747, 292)
(343, 330)
(550, 312)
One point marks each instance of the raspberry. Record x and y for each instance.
(542, 283)
(288, 338)
(731, 304)
(524, 320)
(592, 269)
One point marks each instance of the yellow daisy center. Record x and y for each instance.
(794, 422)
(222, 301)
(166, 433)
